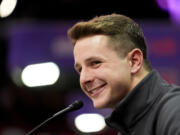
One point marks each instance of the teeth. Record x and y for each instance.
(96, 89)
(93, 91)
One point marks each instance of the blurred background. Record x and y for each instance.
(37, 78)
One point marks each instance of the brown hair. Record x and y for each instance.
(118, 28)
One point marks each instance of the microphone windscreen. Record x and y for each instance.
(76, 105)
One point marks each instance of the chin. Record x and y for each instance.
(100, 105)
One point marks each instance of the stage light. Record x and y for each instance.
(90, 123)
(7, 7)
(40, 74)
(174, 9)
(163, 4)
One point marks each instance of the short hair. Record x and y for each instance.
(123, 31)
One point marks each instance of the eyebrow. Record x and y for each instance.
(76, 65)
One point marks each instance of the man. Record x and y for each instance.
(111, 58)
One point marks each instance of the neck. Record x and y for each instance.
(136, 78)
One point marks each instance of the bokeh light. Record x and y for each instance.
(90, 123)
(40, 74)
(7, 7)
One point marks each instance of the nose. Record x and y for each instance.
(86, 76)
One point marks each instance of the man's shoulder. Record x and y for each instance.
(168, 114)
(171, 98)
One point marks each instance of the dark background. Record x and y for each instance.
(22, 108)
(81, 9)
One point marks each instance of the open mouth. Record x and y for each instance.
(96, 91)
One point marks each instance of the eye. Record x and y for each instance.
(95, 63)
(78, 70)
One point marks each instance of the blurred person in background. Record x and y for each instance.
(110, 55)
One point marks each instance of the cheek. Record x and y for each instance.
(119, 78)
(82, 87)
(115, 73)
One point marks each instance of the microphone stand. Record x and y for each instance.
(75, 106)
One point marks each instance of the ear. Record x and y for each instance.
(135, 58)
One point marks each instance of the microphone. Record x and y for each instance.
(72, 107)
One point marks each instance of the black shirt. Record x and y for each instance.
(151, 108)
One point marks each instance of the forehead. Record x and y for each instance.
(93, 47)
(92, 42)
(90, 45)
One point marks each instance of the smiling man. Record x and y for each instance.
(111, 58)
(105, 76)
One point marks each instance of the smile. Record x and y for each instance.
(96, 91)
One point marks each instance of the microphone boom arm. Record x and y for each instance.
(74, 106)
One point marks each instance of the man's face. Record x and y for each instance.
(104, 76)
